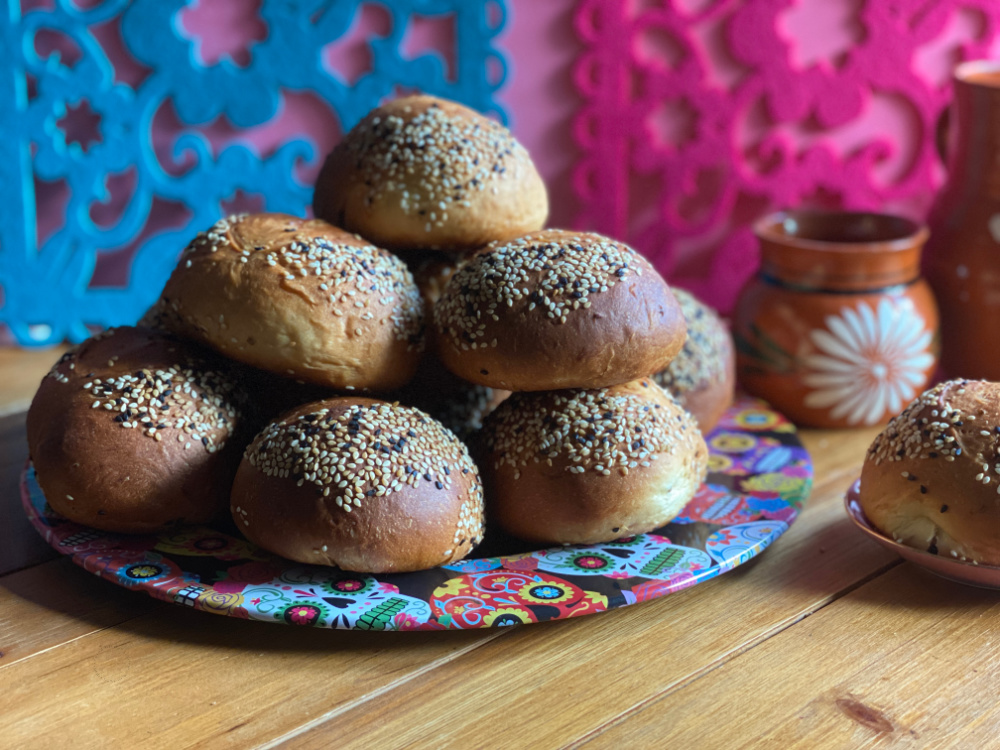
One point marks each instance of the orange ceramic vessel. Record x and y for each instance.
(962, 262)
(837, 329)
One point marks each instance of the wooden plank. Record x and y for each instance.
(906, 660)
(838, 454)
(21, 370)
(179, 678)
(20, 545)
(567, 679)
(54, 603)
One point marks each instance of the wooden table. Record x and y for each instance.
(825, 641)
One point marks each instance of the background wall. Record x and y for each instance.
(671, 124)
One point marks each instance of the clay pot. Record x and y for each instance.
(962, 262)
(837, 329)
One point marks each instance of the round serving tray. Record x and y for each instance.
(759, 476)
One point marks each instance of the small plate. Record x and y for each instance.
(983, 576)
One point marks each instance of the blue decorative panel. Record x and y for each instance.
(47, 290)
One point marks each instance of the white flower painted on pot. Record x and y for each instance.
(869, 362)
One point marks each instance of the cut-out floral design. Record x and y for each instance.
(869, 362)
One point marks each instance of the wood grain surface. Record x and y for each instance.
(825, 641)
(22, 370)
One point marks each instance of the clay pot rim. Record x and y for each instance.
(968, 71)
(768, 228)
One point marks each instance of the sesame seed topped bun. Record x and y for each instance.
(702, 377)
(135, 430)
(299, 298)
(590, 466)
(361, 484)
(557, 309)
(931, 479)
(427, 173)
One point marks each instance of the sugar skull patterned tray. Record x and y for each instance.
(759, 476)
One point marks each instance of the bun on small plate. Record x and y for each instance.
(931, 479)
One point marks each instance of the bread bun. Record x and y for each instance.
(299, 298)
(421, 172)
(931, 479)
(135, 430)
(364, 485)
(590, 466)
(702, 377)
(556, 310)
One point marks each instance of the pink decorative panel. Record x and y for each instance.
(698, 116)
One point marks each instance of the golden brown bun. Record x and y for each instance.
(703, 376)
(551, 478)
(299, 298)
(459, 405)
(135, 430)
(421, 172)
(931, 479)
(557, 310)
(360, 484)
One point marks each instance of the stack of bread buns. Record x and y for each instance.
(423, 307)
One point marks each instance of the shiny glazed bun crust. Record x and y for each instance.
(427, 173)
(590, 466)
(135, 430)
(299, 298)
(931, 479)
(557, 309)
(361, 484)
(702, 377)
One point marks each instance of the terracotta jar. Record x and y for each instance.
(962, 262)
(837, 329)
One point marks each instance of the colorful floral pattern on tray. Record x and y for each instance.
(759, 476)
